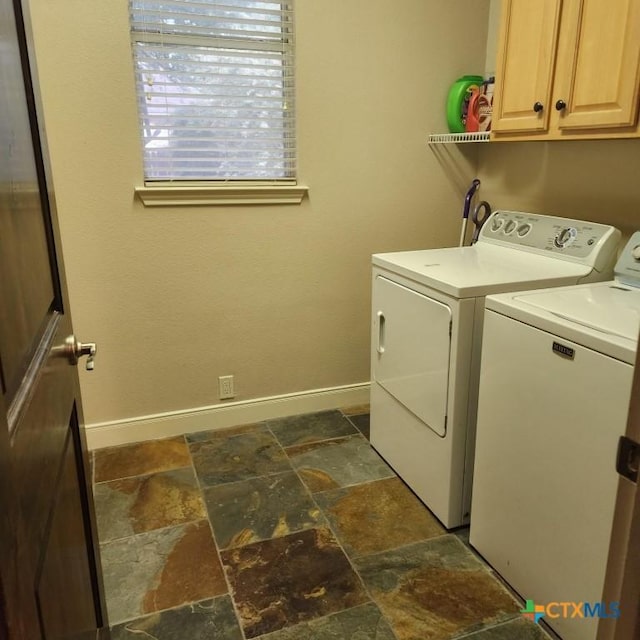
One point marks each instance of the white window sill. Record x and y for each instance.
(206, 195)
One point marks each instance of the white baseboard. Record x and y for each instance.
(220, 416)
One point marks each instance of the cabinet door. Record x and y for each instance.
(598, 70)
(524, 74)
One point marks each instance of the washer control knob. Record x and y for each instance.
(509, 227)
(523, 229)
(635, 253)
(565, 237)
(496, 223)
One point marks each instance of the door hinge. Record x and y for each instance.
(628, 459)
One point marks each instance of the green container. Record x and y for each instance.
(458, 100)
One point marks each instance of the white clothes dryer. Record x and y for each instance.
(427, 315)
(555, 384)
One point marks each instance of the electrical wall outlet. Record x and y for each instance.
(225, 387)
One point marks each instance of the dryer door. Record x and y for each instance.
(412, 343)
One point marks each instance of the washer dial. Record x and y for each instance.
(523, 229)
(565, 237)
(509, 227)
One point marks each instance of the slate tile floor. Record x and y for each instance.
(290, 529)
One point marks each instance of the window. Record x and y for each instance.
(215, 88)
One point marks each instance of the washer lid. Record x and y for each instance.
(610, 308)
(604, 316)
(482, 269)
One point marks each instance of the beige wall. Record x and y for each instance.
(492, 37)
(276, 295)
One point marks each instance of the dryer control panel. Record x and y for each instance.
(567, 239)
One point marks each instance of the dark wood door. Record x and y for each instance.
(50, 580)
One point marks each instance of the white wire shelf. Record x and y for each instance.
(455, 138)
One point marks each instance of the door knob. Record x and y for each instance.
(76, 350)
(538, 107)
(560, 105)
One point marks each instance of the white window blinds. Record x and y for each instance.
(215, 89)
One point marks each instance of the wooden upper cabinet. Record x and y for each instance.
(579, 59)
(526, 55)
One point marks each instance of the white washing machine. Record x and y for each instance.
(555, 384)
(427, 314)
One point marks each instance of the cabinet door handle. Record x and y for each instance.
(538, 107)
(381, 321)
(560, 105)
